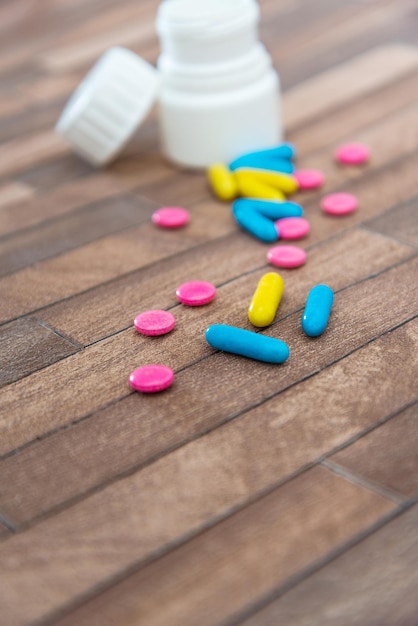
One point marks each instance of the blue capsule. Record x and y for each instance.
(261, 161)
(273, 209)
(247, 343)
(317, 310)
(255, 223)
(280, 154)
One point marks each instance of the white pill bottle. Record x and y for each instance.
(219, 95)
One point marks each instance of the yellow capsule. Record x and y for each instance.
(223, 181)
(285, 182)
(266, 300)
(251, 187)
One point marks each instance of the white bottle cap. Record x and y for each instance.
(109, 105)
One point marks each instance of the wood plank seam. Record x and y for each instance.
(398, 239)
(385, 492)
(57, 332)
(97, 488)
(121, 398)
(7, 523)
(370, 429)
(292, 581)
(305, 573)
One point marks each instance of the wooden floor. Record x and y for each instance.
(248, 493)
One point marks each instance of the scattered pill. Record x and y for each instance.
(255, 223)
(266, 300)
(317, 310)
(309, 179)
(286, 183)
(247, 343)
(339, 203)
(223, 181)
(196, 293)
(264, 162)
(151, 378)
(352, 154)
(154, 322)
(290, 228)
(283, 152)
(286, 256)
(250, 187)
(273, 209)
(170, 217)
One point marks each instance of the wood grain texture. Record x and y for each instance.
(13, 193)
(58, 236)
(202, 504)
(337, 33)
(26, 346)
(103, 260)
(133, 431)
(401, 223)
(374, 583)
(241, 559)
(74, 195)
(370, 109)
(352, 79)
(388, 455)
(18, 154)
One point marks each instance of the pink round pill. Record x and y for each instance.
(196, 293)
(309, 179)
(352, 154)
(151, 378)
(292, 227)
(339, 203)
(286, 256)
(170, 217)
(154, 322)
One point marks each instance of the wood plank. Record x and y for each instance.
(341, 123)
(183, 188)
(137, 429)
(387, 141)
(79, 53)
(374, 583)
(348, 81)
(51, 172)
(349, 34)
(388, 455)
(106, 259)
(12, 193)
(29, 119)
(26, 345)
(90, 223)
(218, 573)
(401, 223)
(75, 194)
(18, 154)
